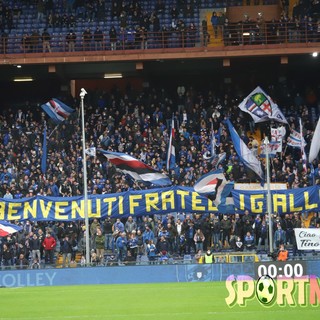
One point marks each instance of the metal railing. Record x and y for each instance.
(227, 35)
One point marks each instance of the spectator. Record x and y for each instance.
(282, 254)
(22, 262)
(86, 40)
(99, 241)
(49, 244)
(71, 38)
(199, 239)
(66, 250)
(113, 38)
(121, 245)
(46, 41)
(98, 39)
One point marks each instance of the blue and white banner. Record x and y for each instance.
(283, 201)
(155, 201)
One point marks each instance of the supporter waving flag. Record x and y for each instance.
(8, 228)
(245, 154)
(261, 107)
(135, 168)
(57, 110)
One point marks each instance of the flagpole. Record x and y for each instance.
(266, 142)
(85, 187)
(56, 127)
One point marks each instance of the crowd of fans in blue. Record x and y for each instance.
(138, 123)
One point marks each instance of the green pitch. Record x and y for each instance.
(172, 301)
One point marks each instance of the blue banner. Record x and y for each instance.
(282, 201)
(130, 203)
(154, 201)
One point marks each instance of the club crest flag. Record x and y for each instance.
(261, 107)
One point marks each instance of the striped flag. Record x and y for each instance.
(213, 185)
(57, 110)
(244, 153)
(295, 139)
(171, 156)
(136, 169)
(8, 228)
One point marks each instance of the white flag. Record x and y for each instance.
(315, 143)
(277, 134)
(91, 151)
(261, 107)
(295, 140)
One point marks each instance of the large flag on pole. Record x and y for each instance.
(8, 228)
(212, 185)
(244, 153)
(44, 152)
(57, 110)
(136, 169)
(261, 107)
(171, 156)
(315, 143)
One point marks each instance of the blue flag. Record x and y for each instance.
(44, 152)
(246, 156)
(57, 110)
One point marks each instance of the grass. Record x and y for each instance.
(171, 301)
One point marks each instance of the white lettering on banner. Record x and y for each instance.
(27, 279)
(307, 239)
(257, 186)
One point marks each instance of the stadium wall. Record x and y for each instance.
(132, 274)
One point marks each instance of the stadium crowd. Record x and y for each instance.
(138, 123)
(99, 25)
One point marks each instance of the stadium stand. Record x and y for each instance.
(138, 123)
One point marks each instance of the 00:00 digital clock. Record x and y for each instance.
(280, 269)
